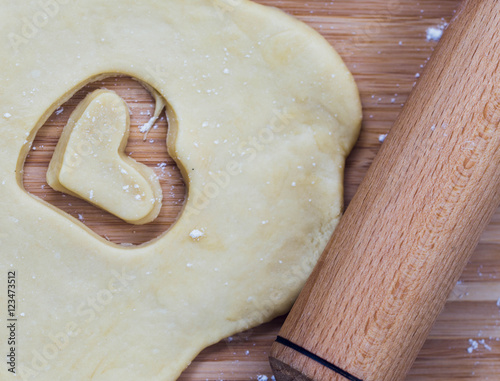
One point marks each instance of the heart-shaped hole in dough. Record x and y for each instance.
(151, 152)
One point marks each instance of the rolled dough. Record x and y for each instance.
(262, 113)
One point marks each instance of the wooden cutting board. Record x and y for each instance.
(384, 44)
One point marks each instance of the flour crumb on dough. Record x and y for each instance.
(196, 234)
(7, 115)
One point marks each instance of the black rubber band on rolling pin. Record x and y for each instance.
(319, 360)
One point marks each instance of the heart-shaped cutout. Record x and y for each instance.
(90, 161)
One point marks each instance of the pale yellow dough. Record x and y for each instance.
(262, 113)
(90, 161)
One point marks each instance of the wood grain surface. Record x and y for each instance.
(384, 44)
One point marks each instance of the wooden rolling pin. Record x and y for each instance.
(403, 242)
